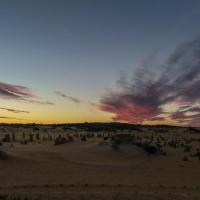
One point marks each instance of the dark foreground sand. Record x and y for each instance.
(102, 193)
(91, 163)
(91, 170)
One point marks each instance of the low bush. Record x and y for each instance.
(3, 155)
(150, 149)
(60, 140)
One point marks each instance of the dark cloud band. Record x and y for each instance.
(144, 98)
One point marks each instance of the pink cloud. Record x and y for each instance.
(20, 93)
(145, 96)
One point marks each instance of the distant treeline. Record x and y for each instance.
(98, 126)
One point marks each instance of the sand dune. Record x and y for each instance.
(95, 163)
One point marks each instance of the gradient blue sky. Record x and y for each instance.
(80, 47)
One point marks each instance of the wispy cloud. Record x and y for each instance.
(144, 98)
(14, 110)
(20, 93)
(9, 91)
(41, 102)
(4, 117)
(70, 98)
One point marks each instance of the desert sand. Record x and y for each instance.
(92, 168)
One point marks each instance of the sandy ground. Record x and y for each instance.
(104, 193)
(89, 162)
(45, 169)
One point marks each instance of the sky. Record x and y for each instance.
(65, 61)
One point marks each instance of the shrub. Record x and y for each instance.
(83, 138)
(13, 137)
(3, 197)
(198, 154)
(187, 148)
(60, 140)
(150, 149)
(24, 142)
(44, 139)
(115, 146)
(3, 155)
(23, 135)
(37, 136)
(30, 137)
(6, 138)
(70, 138)
(11, 145)
(185, 159)
(50, 138)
